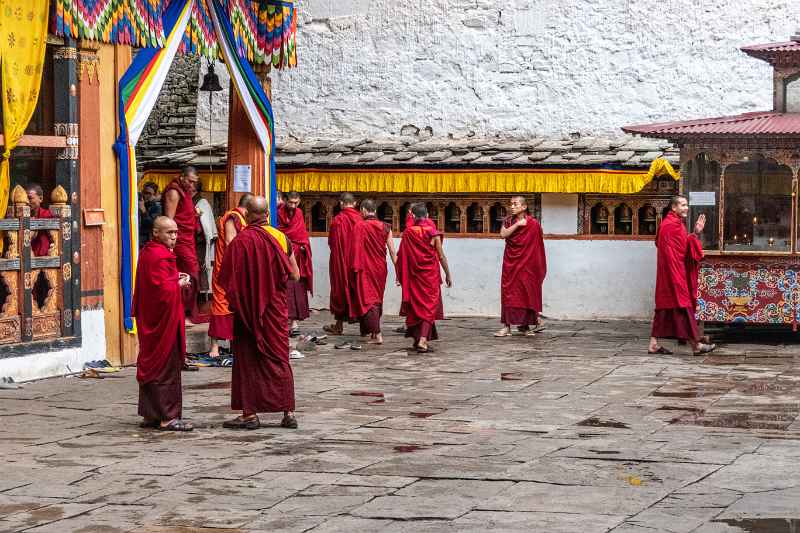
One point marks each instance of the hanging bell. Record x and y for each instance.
(602, 215)
(211, 81)
(454, 215)
(625, 214)
(477, 214)
(649, 214)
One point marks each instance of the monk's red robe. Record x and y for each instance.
(369, 273)
(40, 244)
(158, 309)
(430, 224)
(524, 269)
(340, 240)
(678, 264)
(293, 225)
(221, 324)
(185, 249)
(421, 280)
(254, 272)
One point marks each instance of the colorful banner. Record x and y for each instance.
(264, 31)
(252, 95)
(138, 90)
(23, 37)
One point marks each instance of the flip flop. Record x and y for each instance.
(503, 333)
(660, 351)
(241, 423)
(530, 333)
(427, 349)
(705, 348)
(176, 425)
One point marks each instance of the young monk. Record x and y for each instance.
(178, 205)
(371, 240)
(158, 309)
(228, 227)
(340, 240)
(292, 223)
(255, 269)
(40, 241)
(678, 264)
(524, 269)
(419, 258)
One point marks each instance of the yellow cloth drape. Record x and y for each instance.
(23, 36)
(210, 181)
(500, 180)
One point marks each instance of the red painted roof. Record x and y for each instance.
(757, 124)
(772, 50)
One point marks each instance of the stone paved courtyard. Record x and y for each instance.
(577, 430)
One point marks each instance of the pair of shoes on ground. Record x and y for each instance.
(174, 425)
(348, 345)
(289, 421)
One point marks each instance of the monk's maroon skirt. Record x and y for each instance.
(261, 383)
(676, 323)
(518, 316)
(371, 321)
(297, 299)
(221, 327)
(161, 399)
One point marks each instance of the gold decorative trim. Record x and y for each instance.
(65, 52)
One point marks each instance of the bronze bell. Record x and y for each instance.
(477, 215)
(210, 81)
(602, 215)
(625, 215)
(649, 214)
(501, 214)
(455, 215)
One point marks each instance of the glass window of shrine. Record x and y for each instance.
(758, 206)
(702, 184)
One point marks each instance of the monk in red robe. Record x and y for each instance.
(40, 241)
(372, 238)
(178, 205)
(678, 264)
(228, 226)
(158, 309)
(255, 269)
(292, 223)
(418, 272)
(524, 269)
(340, 240)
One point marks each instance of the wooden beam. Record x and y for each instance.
(39, 141)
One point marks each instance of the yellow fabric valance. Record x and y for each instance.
(473, 180)
(209, 180)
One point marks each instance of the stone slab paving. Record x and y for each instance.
(577, 429)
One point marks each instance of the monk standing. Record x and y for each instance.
(679, 256)
(418, 262)
(255, 269)
(40, 241)
(524, 269)
(292, 223)
(340, 240)
(371, 240)
(158, 309)
(228, 226)
(178, 205)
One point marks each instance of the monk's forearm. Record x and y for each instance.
(505, 233)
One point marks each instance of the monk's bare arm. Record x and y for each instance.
(230, 231)
(437, 242)
(171, 199)
(294, 271)
(506, 232)
(390, 247)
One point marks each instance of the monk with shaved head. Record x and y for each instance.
(228, 227)
(256, 268)
(340, 240)
(158, 308)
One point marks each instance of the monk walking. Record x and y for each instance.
(524, 269)
(418, 272)
(292, 223)
(178, 205)
(255, 269)
(158, 309)
(678, 264)
(228, 227)
(340, 240)
(371, 240)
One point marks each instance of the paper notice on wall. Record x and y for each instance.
(242, 175)
(700, 198)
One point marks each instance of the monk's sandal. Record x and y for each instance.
(289, 422)
(242, 423)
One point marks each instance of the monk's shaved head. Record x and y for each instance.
(347, 199)
(368, 205)
(165, 231)
(519, 198)
(244, 199)
(257, 209)
(419, 211)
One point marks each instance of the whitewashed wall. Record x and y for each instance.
(585, 279)
(61, 362)
(533, 67)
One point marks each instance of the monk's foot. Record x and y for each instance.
(215, 355)
(376, 339)
(505, 332)
(289, 421)
(176, 424)
(243, 422)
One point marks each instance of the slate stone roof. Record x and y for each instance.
(418, 151)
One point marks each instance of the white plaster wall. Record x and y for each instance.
(48, 364)
(523, 67)
(560, 213)
(584, 278)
